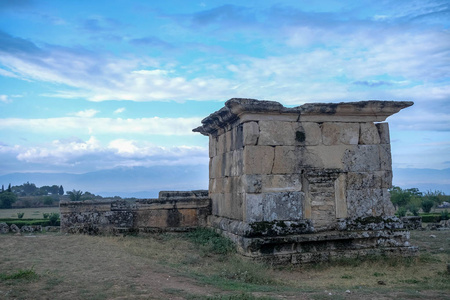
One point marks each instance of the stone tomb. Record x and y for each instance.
(304, 184)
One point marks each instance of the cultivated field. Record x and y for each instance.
(175, 266)
(30, 213)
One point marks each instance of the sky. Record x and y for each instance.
(99, 85)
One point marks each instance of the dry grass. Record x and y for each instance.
(170, 266)
(30, 213)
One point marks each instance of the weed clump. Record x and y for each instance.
(211, 241)
(20, 274)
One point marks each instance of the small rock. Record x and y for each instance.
(4, 228)
(348, 292)
(381, 282)
(14, 228)
(432, 236)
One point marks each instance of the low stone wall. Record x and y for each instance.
(177, 211)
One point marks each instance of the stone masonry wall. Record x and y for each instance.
(171, 211)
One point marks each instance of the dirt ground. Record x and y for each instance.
(171, 267)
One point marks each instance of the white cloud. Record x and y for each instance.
(88, 113)
(145, 126)
(5, 99)
(119, 110)
(77, 156)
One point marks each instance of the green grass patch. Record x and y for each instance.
(211, 241)
(20, 275)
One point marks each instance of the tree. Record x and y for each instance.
(3, 188)
(9, 188)
(399, 197)
(427, 204)
(75, 195)
(61, 190)
(7, 199)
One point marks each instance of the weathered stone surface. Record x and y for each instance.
(212, 146)
(363, 180)
(250, 133)
(366, 203)
(274, 133)
(412, 222)
(313, 133)
(14, 228)
(340, 196)
(369, 134)
(331, 133)
(327, 157)
(385, 157)
(383, 131)
(287, 160)
(362, 158)
(281, 183)
(258, 159)
(4, 228)
(349, 133)
(273, 206)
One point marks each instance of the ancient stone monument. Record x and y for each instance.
(306, 183)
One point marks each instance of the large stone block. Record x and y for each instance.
(313, 133)
(327, 157)
(385, 157)
(389, 209)
(253, 208)
(340, 196)
(281, 183)
(331, 133)
(369, 134)
(383, 131)
(363, 180)
(250, 133)
(221, 144)
(362, 158)
(212, 146)
(283, 206)
(287, 160)
(361, 203)
(274, 206)
(385, 178)
(258, 159)
(237, 166)
(349, 133)
(273, 133)
(252, 183)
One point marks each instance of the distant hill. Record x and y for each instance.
(423, 179)
(136, 182)
(143, 182)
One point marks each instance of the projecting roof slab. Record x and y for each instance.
(255, 110)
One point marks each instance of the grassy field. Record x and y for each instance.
(177, 266)
(30, 213)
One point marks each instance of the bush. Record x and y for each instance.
(401, 212)
(20, 215)
(53, 218)
(45, 215)
(445, 215)
(431, 218)
(414, 209)
(427, 205)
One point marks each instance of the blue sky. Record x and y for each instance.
(95, 85)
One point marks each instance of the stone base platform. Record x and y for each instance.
(312, 247)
